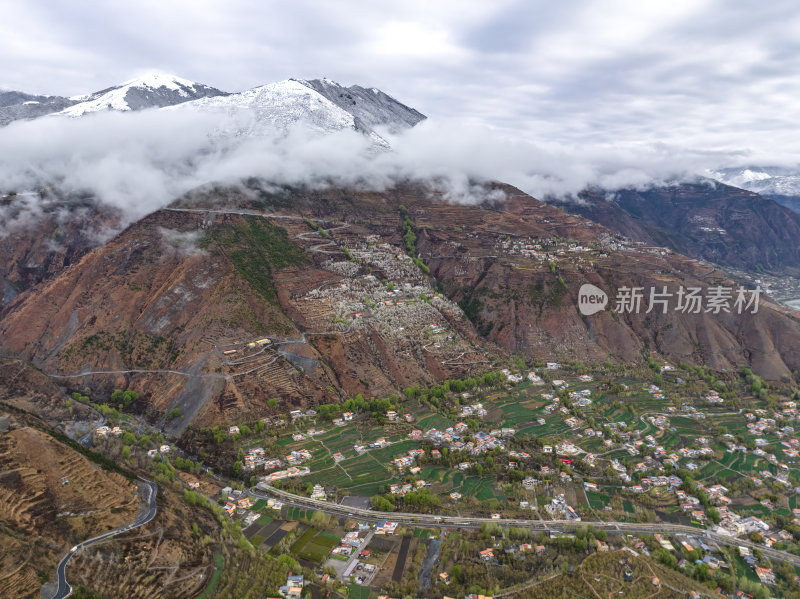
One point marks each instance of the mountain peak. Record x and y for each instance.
(370, 106)
(150, 90)
(157, 79)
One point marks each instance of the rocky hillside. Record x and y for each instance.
(707, 220)
(234, 296)
(16, 105)
(50, 497)
(42, 233)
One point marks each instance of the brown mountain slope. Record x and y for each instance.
(43, 233)
(707, 220)
(42, 515)
(177, 304)
(158, 307)
(50, 497)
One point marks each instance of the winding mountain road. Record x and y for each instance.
(64, 588)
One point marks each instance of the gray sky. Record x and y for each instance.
(710, 75)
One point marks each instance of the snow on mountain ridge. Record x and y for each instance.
(321, 105)
(318, 104)
(371, 107)
(150, 90)
(768, 180)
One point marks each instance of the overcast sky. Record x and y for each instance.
(702, 74)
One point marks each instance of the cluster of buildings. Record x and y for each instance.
(511, 377)
(475, 409)
(256, 458)
(152, 453)
(293, 589)
(407, 461)
(559, 509)
(581, 398)
(452, 437)
(398, 489)
(312, 432)
(291, 472)
(104, 431)
(235, 503)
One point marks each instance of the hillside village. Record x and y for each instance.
(544, 443)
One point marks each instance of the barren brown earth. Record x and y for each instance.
(50, 498)
(43, 233)
(157, 308)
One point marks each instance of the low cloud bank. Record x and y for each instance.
(139, 162)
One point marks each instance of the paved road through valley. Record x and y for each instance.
(429, 520)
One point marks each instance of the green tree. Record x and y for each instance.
(288, 563)
(381, 504)
(83, 592)
(126, 451)
(319, 519)
(665, 557)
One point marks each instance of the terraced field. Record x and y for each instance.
(51, 495)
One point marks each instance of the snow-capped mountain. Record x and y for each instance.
(371, 107)
(767, 180)
(16, 105)
(154, 90)
(321, 105)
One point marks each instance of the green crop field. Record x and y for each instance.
(355, 591)
(435, 421)
(301, 542)
(423, 533)
(317, 547)
(598, 500)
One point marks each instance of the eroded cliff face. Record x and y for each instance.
(237, 295)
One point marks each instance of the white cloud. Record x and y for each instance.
(547, 96)
(698, 74)
(141, 161)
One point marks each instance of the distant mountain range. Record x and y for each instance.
(321, 103)
(779, 183)
(708, 220)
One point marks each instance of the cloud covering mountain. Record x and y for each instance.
(694, 74)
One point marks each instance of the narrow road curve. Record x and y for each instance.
(64, 588)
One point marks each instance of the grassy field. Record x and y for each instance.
(355, 591)
(314, 545)
(598, 500)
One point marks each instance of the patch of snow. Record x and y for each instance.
(115, 98)
(279, 105)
